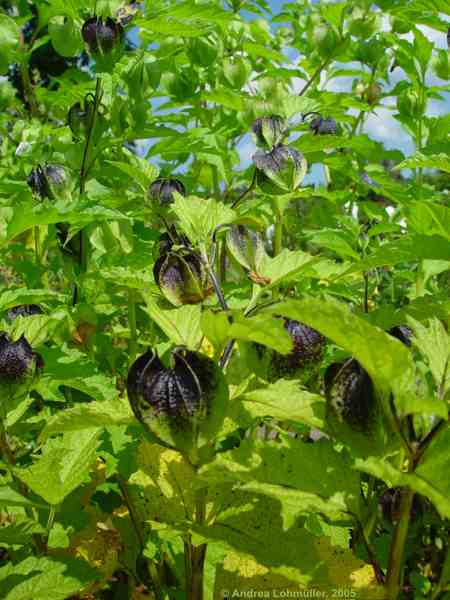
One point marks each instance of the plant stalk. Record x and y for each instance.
(195, 555)
(133, 345)
(85, 166)
(394, 578)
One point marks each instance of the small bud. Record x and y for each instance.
(16, 358)
(102, 36)
(350, 394)
(23, 310)
(179, 403)
(161, 190)
(79, 118)
(322, 126)
(269, 131)
(279, 171)
(182, 278)
(50, 181)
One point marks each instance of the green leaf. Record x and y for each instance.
(285, 266)
(65, 36)
(181, 325)
(8, 497)
(89, 415)
(262, 330)
(73, 369)
(20, 531)
(433, 161)
(427, 480)
(9, 41)
(216, 327)
(285, 400)
(140, 170)
(62, 466)
(433, 343)
(42, 578)
(290, 466)
(14, 297)
(199, 217)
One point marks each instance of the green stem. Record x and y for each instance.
(195, 555)
(394, 579)
(278, 236)
(37, 244)
(85, 166)
(315, 75)
(134, 518)
(132, 325)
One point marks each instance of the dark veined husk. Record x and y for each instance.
(182, 277)
(350, 394)
(269, 131)
(324, 126)
(161, 190)
(306, 355)
(49, 181)
(402, 333)
(23, 310)
(182, 405)
(17, 359)
(102, 36)
(279, 171)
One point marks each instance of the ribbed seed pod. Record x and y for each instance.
(279, 171)
(102, 36)
(269, 131)
(16, 359)
(162, 189)
(182, 278)
(307, 352)
(350, 394)
(23, 310)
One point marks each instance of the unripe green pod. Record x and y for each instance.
(325, 38)
(441, 64)
(236, 71)
(182, 405)
(269, 131)
(280, 171)
(409, 103)
(182, 277)
(181, 85)
(79, 118)
(246, 247)
(204, 51)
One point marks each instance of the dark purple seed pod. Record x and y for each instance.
(323, 126)
(308, 349)
(448, 38)
(350, 394)
(182, 277)
(390, 502)
(402, 333)
(279, 171)
(102, 36)
(23, 310)
(37, 182)
(50, 181)
(162, 189)
(269, 131)
(16, 358)
(180, 393)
